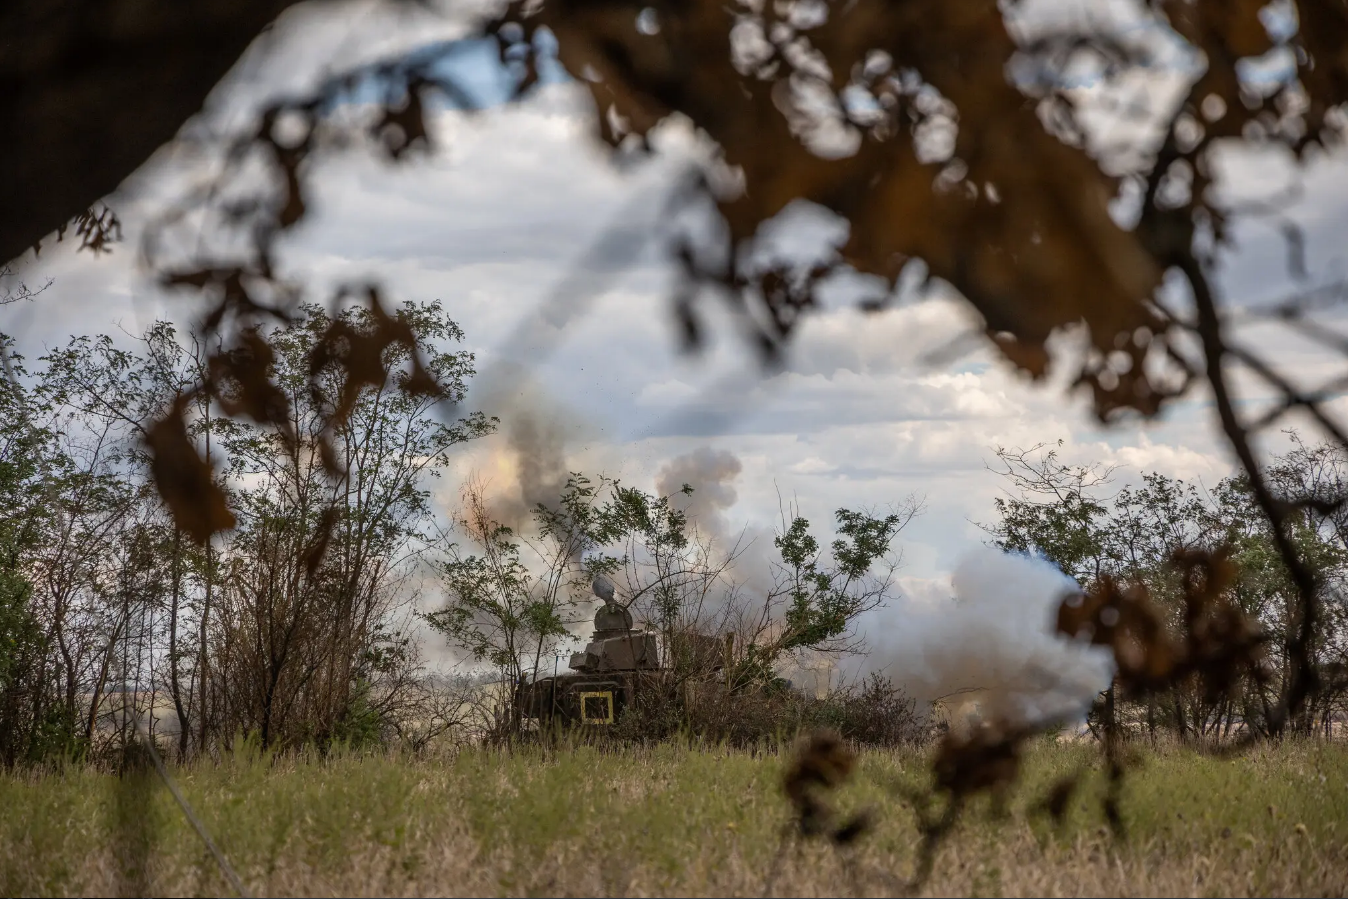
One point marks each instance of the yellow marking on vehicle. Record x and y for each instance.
(607, 697)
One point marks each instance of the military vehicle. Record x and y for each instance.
(605, 677)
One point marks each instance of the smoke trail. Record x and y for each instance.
(991, 649)
(748, 549)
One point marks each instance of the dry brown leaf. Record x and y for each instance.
(241, 379)
(1219, 644)
(986, 759)
(184, 480)
(1124, 620)
(821, 764)
(1024, 232)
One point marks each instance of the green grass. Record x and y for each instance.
(668, 821)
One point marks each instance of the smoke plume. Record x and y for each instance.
(528, 461)
(711, 473)
(992, 649)
(538, 441)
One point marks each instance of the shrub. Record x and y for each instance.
(874, 713)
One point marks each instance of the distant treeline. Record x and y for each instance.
(295, 626)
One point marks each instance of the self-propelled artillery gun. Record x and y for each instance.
(617, 665)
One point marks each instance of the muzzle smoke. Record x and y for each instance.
(991, 651)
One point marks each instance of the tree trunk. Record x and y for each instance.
(92, 722)
(203, 660)
(203, 657)
(1109, 722)
(175, 684)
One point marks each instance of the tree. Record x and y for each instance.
(1135, 535)
(513, 610)
(312, 581)
(671, 578)
(71, 529)
(1055, 510)
(822, 594)
(1305, 478)
(293, 625)
(23, 452)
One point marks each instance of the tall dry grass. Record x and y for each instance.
(666, 821)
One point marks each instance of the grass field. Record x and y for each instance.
(667, 821)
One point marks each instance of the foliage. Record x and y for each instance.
(293, 624)
(504, 611)
(519, 598)
(1054, 512)
(362, 726)
(822, 600)
(1135, 536)
(20, 631)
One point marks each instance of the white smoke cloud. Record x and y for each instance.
(992, 648)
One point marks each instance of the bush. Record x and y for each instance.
(361, 726)
(874, 713)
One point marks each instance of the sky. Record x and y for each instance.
(503, 218)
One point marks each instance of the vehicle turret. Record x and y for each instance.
(615, 645)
